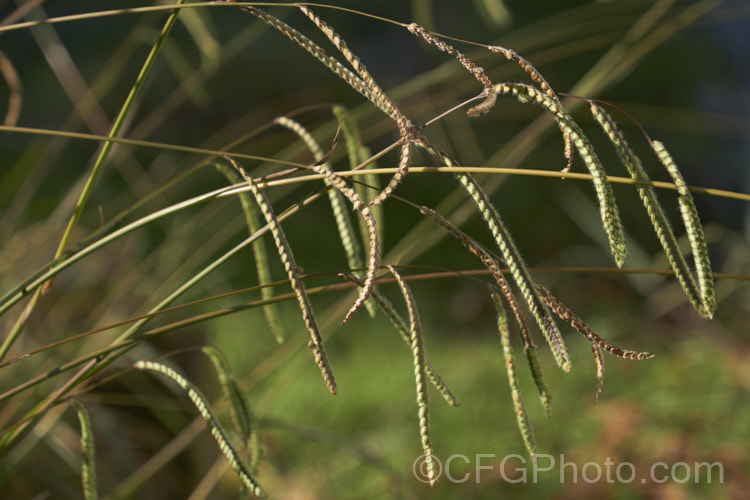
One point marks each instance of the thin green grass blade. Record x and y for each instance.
(88, 188)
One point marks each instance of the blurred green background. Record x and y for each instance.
(679, 68)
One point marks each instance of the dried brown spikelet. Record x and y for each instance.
(537, 77)
(489, 90)
(566, 314)
(491, 264)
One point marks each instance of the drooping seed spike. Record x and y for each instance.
(522, 419)
(291, 268)
(476, 71)
(423, 408)
(567, 315)
(88, 452)
(609, 214)
(199, 400)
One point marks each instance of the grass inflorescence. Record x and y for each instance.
(274, 186)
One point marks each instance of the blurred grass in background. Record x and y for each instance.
(678, 67)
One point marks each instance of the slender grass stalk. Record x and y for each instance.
(90, 181)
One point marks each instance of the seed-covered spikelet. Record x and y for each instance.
(403, 330)
(694, 231)
(336, 196)
(270, 311)
(216, 430)
(522, 419)
(377, 96)
(605, 196)
(291, 268)
(403, 168)
(417, 349)
(489, 90)
(537, 77)
(518, 270)
(239, 409)
(88, 452)
(659, 220)
(566, 314)
(491, 264)
(512, 258)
